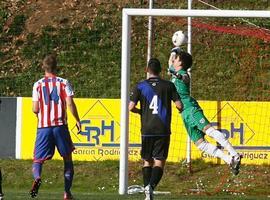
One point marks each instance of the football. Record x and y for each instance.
(179, 38)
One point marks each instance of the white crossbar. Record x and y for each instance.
(196, 13)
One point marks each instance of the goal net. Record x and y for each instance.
(230, 79)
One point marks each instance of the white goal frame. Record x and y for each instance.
(127, 13)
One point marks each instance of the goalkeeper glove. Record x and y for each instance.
(176, 50)
(171, 70)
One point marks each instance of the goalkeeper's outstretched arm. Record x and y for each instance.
(172, 55)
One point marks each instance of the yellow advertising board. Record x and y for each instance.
(28, 128)
(245, 124)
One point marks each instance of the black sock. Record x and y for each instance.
(156, 176)
(147, 172)
(0, 182)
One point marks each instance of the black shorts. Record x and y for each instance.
(156, 147)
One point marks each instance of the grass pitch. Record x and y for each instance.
(19, 195)
(99, 180)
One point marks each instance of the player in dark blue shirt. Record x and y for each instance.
(155, 96)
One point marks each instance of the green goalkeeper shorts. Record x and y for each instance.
(194, 121)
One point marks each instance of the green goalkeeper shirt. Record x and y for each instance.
(183, 89)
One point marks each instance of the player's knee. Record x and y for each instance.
(199, 141)
(208, 148)
(212, 132)
(202, 145)
(159, 163)
(38, 161)
(148, 163)
(206, 128)
(216, 135)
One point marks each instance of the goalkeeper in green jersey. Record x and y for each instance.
(195, 122)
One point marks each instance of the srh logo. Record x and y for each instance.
(233, 125)
(93, 133)
(99, 128)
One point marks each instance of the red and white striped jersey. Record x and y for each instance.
(51, 92)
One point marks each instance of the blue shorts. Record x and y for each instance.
(48, 138)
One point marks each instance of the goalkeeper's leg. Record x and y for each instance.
(212, 150)
(221, 139)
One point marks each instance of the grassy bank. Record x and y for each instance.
(87, 38)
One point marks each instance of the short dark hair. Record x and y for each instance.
(49, 63)
(185, 58)
(154, 66)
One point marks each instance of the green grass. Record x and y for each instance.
(18, 195)
(99, 180)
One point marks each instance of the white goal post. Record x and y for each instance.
(127, 13)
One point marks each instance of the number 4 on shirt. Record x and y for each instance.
(154, 105)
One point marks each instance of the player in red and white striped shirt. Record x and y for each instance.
(50, 93)
(51, 97)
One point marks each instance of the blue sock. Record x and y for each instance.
(36, 169)
(68, 174)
